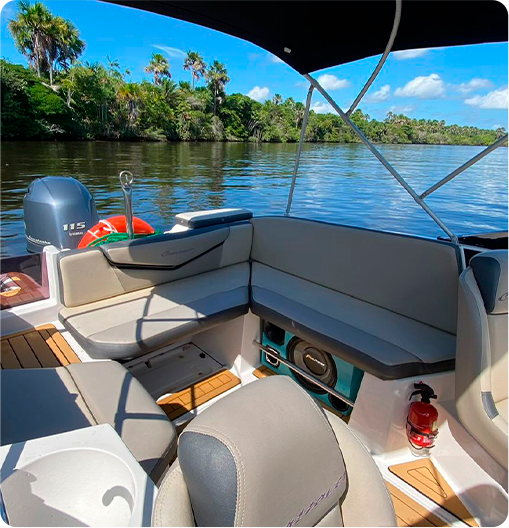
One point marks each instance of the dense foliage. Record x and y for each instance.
(60, 97)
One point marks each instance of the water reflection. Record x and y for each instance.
(338, 183)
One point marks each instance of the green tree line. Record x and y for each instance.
(60, 97)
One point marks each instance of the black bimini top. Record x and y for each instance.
(312, 35)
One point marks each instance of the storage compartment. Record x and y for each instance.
(171, 369)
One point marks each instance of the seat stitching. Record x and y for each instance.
(165, 492)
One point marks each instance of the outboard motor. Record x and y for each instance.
(58, 211)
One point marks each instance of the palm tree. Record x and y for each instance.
(64, 45)
(130, 95)
(44, 39)
(217, 77)
(277, 99)
(70, 46)
(194, 62)
(31, 31)
(159, 66)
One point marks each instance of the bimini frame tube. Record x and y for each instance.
(382, 160)
(381, 62)
(299, 149)
(345, 116)
(465, 166)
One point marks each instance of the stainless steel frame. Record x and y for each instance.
(382, 159)
(345, 116)
(273, 353)
(465, 166)
(299, 149)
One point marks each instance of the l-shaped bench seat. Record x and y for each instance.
(127, 299)
(384, 302)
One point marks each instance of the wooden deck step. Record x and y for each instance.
(41, 347)
(424, 477)
(188, 399)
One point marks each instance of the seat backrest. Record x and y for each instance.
(482, 324)
(265, 455)
(411, 276)
(99, 273)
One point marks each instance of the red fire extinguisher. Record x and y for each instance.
(422, 427)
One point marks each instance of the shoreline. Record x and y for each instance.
(227, 141)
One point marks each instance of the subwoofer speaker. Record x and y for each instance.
(313, 360)
(341, 376)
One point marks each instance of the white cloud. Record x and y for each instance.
(495, 100)
(380, 95)
(496, 127)
(322, 108)
(275, 60)
(172, 52)
(410, 54)
(474, 84)
(5, 11)
(429, 87)
(395, 109)
(331, 82)
(259, 93)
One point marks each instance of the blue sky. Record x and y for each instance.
(466, 85)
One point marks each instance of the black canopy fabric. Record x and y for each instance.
(312, 35)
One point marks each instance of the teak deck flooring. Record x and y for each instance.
(40, 347)
(409, 512)
(188, 399)
(425, 478)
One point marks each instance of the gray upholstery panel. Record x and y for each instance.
(197, 219)
(411, 276)
(164, 250)
(43, 402)
(86, 275)
(173, 505)
(114, 396)
(490, 271)
(289, 469)
(135, 323)
(383, 343)
(264, 466)
(360, 507)
(145, 334)
(473, 371)
(211, 478)
(497, 328)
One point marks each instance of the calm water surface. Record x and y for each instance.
(336, 183)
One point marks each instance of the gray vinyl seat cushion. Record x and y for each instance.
(42, 402)
(289, 465)
(379, 341)
(128, 325)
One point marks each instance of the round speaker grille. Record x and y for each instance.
(313, 360)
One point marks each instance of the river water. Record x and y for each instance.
(337, 183)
